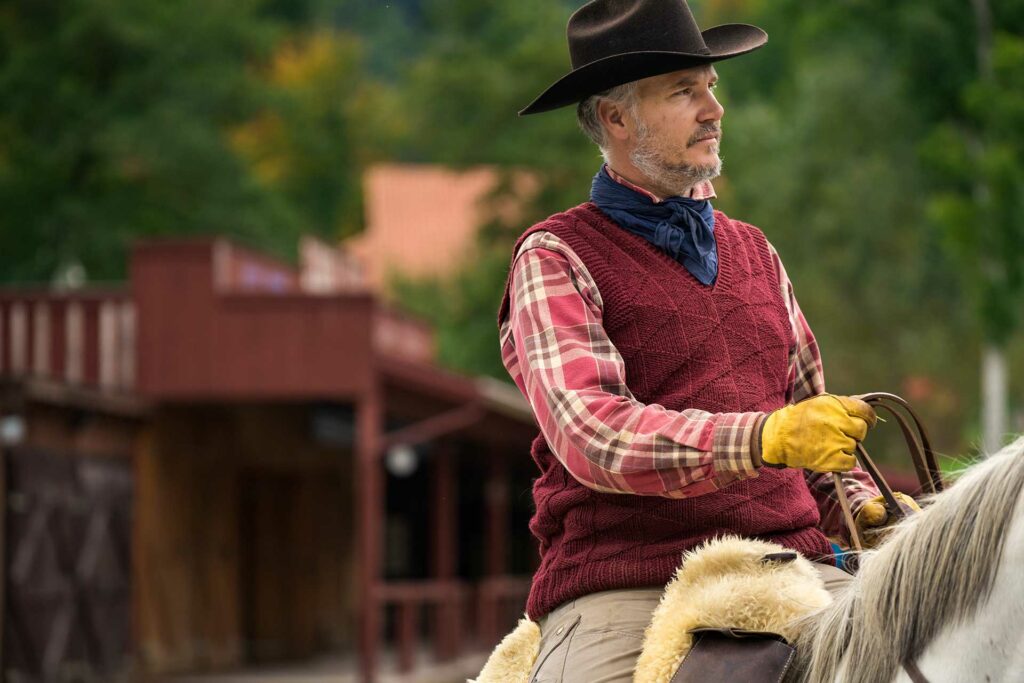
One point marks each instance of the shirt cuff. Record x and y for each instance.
(859, 490)
(737, 447)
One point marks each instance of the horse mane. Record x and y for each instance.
(934, 571)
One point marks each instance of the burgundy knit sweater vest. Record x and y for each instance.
(719, 348)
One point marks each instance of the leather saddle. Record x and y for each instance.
(725, 654)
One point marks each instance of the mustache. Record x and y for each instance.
(704, 131)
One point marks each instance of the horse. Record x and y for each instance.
(939, 600)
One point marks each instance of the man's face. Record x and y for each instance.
(677, 134)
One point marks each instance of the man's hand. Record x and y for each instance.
(873, 518)
(818, 434)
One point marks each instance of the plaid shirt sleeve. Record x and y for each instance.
(559, 355)
(806, 378)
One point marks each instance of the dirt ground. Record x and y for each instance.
(343, 670)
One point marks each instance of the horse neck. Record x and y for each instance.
(987, 646)
(944, 567)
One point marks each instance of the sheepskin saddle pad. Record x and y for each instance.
(728, 582)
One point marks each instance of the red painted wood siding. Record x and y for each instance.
(197, 341)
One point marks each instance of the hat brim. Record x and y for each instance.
(724, 42)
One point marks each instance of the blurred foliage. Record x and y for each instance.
(127, 119)
(324, 123)
(980, 200)
(112, 121)
(881, 159)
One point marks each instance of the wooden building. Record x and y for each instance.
(220, 464)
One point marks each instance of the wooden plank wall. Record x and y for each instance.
(243, 537)
(299, 583)
(186, 563)
(293, 577)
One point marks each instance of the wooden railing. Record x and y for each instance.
(83, 337)
(501, 601)
(455, 622)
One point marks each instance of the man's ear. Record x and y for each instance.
(612, 116)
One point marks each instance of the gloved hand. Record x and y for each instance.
(818, 434)
(873, 518)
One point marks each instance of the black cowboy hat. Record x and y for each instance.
(612, 42)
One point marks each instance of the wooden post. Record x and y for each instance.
(58, 339)
(497, 545)
(370, 492)
(3, 553)
(497, 517)
(407, 613)
(142, 456)
(445, 541)
(91, 343)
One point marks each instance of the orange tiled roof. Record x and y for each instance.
(420, 219)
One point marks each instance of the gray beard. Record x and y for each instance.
(675, 179)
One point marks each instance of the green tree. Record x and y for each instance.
(980, 204)
(324, 121)
(112, 125)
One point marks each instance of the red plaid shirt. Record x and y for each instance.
(555, 349)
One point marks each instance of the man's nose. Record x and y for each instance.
(712, 109)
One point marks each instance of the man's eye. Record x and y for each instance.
(684, 91)
(713, 86)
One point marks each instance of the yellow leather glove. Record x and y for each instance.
(873, 518)
(818, 434)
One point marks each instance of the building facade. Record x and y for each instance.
(229, 461)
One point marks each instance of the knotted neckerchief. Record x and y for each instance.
(685, 228)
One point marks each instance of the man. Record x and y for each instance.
(677, 385)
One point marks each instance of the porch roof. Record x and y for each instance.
(209, 320)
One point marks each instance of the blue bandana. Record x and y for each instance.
(685, 228)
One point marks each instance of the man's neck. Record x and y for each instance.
(702, 190)
(638, 186)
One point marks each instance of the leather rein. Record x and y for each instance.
(925, 464)
(920, 448)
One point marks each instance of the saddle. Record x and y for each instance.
(731, 596)
(735, 604)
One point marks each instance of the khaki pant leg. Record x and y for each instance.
(595, 639)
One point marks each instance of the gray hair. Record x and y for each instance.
(586, 111)
(936, 569)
